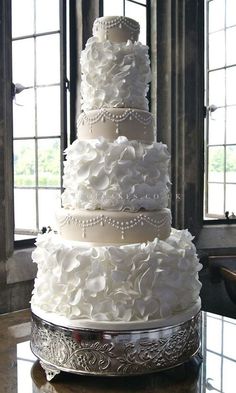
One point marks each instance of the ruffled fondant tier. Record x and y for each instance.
(119, 175)
(113, 122)
(168, 322)
(114, 75)
(100, 227)
(116, 29)
(140, 282)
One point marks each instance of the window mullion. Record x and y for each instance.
(63, 73)
(207, 112)
(35, 125)
(225, 122)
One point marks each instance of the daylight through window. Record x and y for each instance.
(220, 146)
(36, 57)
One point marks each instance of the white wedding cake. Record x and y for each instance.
(115, 261)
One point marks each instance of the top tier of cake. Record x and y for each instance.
(116, 71)
(116, 29)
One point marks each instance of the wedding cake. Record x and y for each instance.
(115, 262)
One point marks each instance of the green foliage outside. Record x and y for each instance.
(216, 159)
(48, 164)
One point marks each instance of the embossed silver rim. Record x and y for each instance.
(113, 353)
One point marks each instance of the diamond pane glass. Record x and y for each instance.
(48, 59)
(24, 163)
(47, 15)
(216, 199)
(49, 162)
(231, 124)
(23, 61)
(217, 88)
(230, 44)
(22, 22)
(49, 201)
(137, 12)
(114, 7)
(48, 111)
(25, 209)
(217, 127)
(230, 12)
(24, 114)
(231, 165)
(217, 50)
(216, 164)
(216, 15)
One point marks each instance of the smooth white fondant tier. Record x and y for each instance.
(119, 175)
(113, 227)
(116, 29)
(178, 318)
(114, 75)
(113, 122)
(139, 282)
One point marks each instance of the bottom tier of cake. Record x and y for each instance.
(125, 283)
(109, 352)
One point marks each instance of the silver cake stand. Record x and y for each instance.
(113, 353)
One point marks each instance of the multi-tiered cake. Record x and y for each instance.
(115, 263)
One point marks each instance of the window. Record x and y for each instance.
(39, 106)
(220, 140)
(219, 369)
(39, 111)
(138, 10)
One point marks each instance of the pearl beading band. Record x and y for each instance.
(120, 22)
(122, 225)
(104, 114)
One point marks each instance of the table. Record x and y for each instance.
(20, 371)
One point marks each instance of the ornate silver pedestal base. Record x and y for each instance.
(113, 353)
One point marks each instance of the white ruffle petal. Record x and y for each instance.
(96, 284)
(114, 75)
(133, 282)
(120, 177)
(100, 182)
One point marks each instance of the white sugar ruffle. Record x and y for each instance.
(136, 282)
(114, 75)
(119, 175)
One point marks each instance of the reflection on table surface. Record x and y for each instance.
(21, 372)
